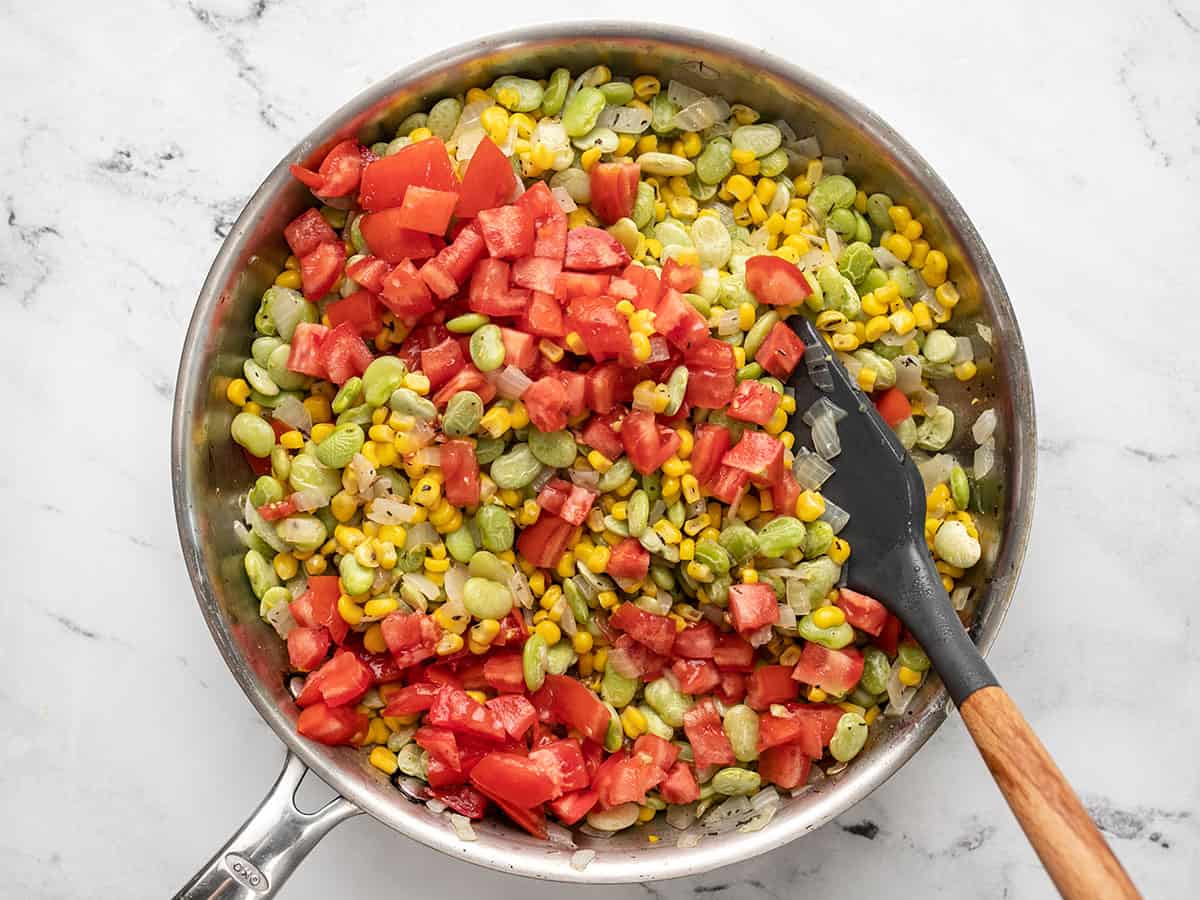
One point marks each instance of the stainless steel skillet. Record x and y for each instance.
(208, 473)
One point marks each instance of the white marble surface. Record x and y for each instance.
(132, 135)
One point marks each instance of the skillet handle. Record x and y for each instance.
(259, 858)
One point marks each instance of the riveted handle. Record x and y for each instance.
(263, 853)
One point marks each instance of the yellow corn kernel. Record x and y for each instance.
(876, 327)
(496, 421)
(599, 461)
(427, 492)
(582, 642)
(778, 422)
(436, 565)
(625, 144)
(418, 382)
(667, 531)
(449, 644)
(740, 186)
(670, 488)
(289, 278)
(947, 295)
(315, 565)
(913, 230)
(900, 216)
(921, 316)
(575, 343)
(384, 760)
(676, 467)
(647, 143)
(550, 597)
(238, 392)
(758, 212)
(965, 370)
(745, 319)
(373, 639)
(790, 656)
(494, 120)
(607, 599)
(285, 565)
(641, 346)
(646, 86)
(565, 567)
(839, 551)
(350, 611)
(845, 342)
(691, 488)
(828, 617)
(549, 632)
(765, 190)
(528, 513)
(348, 537)
(749, 575)
(291, 440)
(816, 695)
(903, 321)
(634, 725)
(692, 144)
(909, 677)
(589, 158)
(866, 379)
(378, 607)
(810, 506)
(899, 245)
(598, 561)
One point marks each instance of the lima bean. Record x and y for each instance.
(277, 368)
(495, 528)
(637, 513)
(462, 415)
(740, 542)
(555, 92)
(758, 332)
(460, 545)
(516, 468)
(877, 210)
(669, 703)
(736, 782)
(348, 395)
(262, 576)
(835, 637)
(486, 564)
(849, 738)
(937, 429)
(832, 192)
(488, 449)
(383, 375)
(960, 487)
(758, 139)
(356, 578)
(617, 689)
(485, 599)
(741, 727)
(560, 657)
(340, 446)
(252, 432)
(617, 475)
(643, 206)
(305, 533)
(715, 163)
(913, 657)
(581, 111)
(517, 94)
(954, 544)
(533, 661)
(487, 348)
(818, 538)
(467, 323)
(408, 402)
(876, 669)
(552, 448)
(779, 535)
(443, 117)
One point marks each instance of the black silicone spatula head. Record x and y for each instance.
(878, 484)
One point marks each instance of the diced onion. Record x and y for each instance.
(687, 840)
(724, 817)
(886, 259)
(985, 458)
(787, 618)
(429, 456)
(985, 426)
(434, 805)
(308, 500)
(565, 202)
(797, 596)
(659, 349)
(580, 859)
(624, 119)
(811, 470)
(927, 398)
(462, 827)
(817, 365)
(292, 412)
(834, 240)
(521, 591)
(681, 94)
(963, 351)
(822, 406)
(681, 815)
(390, 511)
(761, 636)
(559, 836)
(936, 470)
(427, 588)
(455, 581)
(727, 322)
(897, 340)
(510, 382)
(808, 147)
(984, 332)
(825, 436)
(421, 535)
(908, 373)
(586, 478)
(816, 258)
(835, 516)
(705, 112)
(899, 696)
(785, 130)
(833, 165)
(543, 477)
(280, 618)
(959, 597)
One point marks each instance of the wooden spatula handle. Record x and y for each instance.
(1079, 861)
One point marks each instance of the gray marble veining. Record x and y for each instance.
(133, 134)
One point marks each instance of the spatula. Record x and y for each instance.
(879, 484)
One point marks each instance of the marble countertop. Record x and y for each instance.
(133, 134)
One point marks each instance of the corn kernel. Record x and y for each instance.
(903, 321)
(634, 725)
(828, 617)
(839, 551)
(238, 392)
(589, 158)
(350, 612)
(677, 467)
(384, 760)
(909, 677)
(607, 599)
(810, 506)
(816, 695)
(670, 488)
(285, 565)
(740, 186)
(417, 382)
(947, 295)
(582, 642)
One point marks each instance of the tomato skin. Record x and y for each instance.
(785, 492)
(697, 676)
(460, 469)
(753, 606)
(706, 734)
(574, 384)
(893, 406)
(464, 800)
(508, 231)
(317, 607)
(488, 182)
(833, 671)
(680, 785)
(647, 284)
(320, 269)
(360, 309)
(516, 713)
(602, 387)
(786, 767)
(614, 189)
(863, 612)
(339, 682)
(503, 673)
(332, 726)
(593, 249)
(888, 639)
(754, 402)
(280, 509)
(575, 706)
(570, 808)
(410, 637)
(547, 404)
(771, 684)
(776, 281)
(623, 778)
(368, 272)
(440, 362)
(711, 374)
(391, 241)
(426, 209)
(307, 647)
(405, 293)
(569, 285)
(629, 559)
(308, 231)
(647, 444)
(412, 698)
(543, 542)
(441, 744)
(604, 330)
(732, 688)
(729, 485)
(653, 631)
(306, 350)
(781, 352)
(514, 779)
(520, 349)
(661, 753)
(696, 641)
(454, 262)
(385, 181)
(343, 354)
(709, 448)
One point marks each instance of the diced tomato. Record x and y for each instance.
(428, 210)
(441, 744)
(307, 647)
(390, 240)
(732, 688)
(833, 671)
(570, 808)
(464, 800)
(369, 272)
(697, 676)
(889, 636)
(386, 180)
(515, 779)
(543, 316)
(781, 352)
(603, 385)
(467, 379)
(637, 658)
(405, 293)
(516, 713)
(680, 785)
(563, 762)
(549, 221)
(340, 681)
(729, 485)
(280, 509)
(786, 767)
(708, 449)
(343, 354)
(536, 273)
(547, 404)
(647, 444)
(893, 406)
(733, 652)
(410, 637)
(706, 734)
(681, 277)
(413, 698)
(520, 349)
(332, 725)
(790, 728)
(543, 542)
(458, 711)
(305, 356)
(441, 776)
(569, 285)
(604, 330)
(654, 631)
(776, 281)
(770, 684)
(503, 672)
(571, 502)
(422, 337)
(696, 641)
(593, 249)
(488, 182)
(574, 705)
(439, 363)
(317, 607)
(647, 284)
(599, 434)
(759, 454)
(624, 779)
(454, 263)
(489, 289)
(320, 269)
(753, 606)
(863, 612)
(784, 494)
(460, 469)
(629, 559)
(661, 753)
(507, 230)
(308, 231)
(754, 402)
(614, 190)
(574, 384)
(711, 374)
(678, 321)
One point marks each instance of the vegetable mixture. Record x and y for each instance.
(528, 510)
